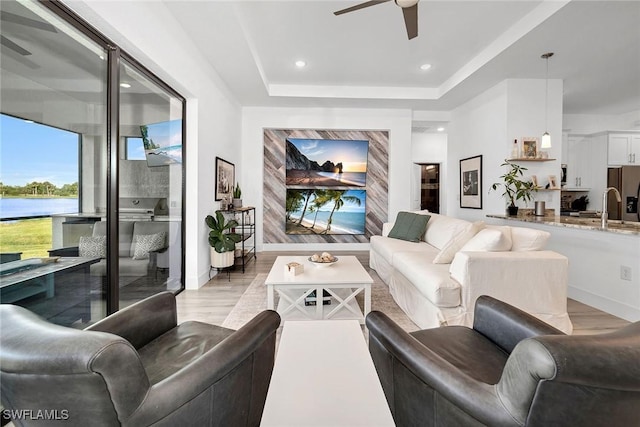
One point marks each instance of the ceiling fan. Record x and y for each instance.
(409, 10)
(22, 20)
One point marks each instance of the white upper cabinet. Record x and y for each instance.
(624, 149)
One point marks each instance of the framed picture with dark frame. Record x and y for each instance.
(471, 182)
(225, 179)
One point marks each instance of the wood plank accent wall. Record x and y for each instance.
(274, 191)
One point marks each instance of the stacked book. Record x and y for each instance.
(311, 298)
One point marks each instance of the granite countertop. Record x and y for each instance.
(615, 226)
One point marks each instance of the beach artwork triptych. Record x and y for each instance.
(326, 186)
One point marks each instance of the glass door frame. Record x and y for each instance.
(115, 55)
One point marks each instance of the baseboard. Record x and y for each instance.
(605, 304)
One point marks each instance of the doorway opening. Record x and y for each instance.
(430, 187)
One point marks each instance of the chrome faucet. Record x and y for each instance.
(605, 214)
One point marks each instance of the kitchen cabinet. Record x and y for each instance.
(623, 149)
(578, 162)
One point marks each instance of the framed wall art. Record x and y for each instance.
(529, 147)
(225, 179)
(471, 182)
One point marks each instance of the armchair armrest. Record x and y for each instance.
(533, 281)
(142, 322)
(72, 251)
(256, 338)
(506, 325)
(479, 400)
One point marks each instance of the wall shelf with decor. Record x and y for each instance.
(530, 159)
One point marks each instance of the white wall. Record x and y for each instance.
(213, 116)
(255, 119)
(428, 148)
(593, 123)
(488, 124)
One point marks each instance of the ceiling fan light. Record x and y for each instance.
(406, 3)
(546, 140)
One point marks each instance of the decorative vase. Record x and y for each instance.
(237, 203)
(512, 210)
(222, 260)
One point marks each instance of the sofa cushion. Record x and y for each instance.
(528, 239)
(506, 235)
(387, 247)
(441, 229)
(91, 247)
(487, 240)
(431, 280)
(446, 254)
(125, 232)
(409, 226)
(145, 243)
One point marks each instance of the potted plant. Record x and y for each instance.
(222, 240)
(514, 187)
(237, 197)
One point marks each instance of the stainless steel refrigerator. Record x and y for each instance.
(627, 180)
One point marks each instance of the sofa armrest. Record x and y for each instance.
(71, 251)
(534, 281)
(393, 348)
(506, 325)
(252, 348)
(142, 322)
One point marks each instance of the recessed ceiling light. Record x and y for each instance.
(425, 67)
(301, 64)
(28, 121)
(125, 85)
(440, 129)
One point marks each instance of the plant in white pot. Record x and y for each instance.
(237, 197)
(514, 187)
(222, 240)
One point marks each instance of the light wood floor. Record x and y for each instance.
(213, 302)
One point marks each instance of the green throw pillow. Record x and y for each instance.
(409, 226)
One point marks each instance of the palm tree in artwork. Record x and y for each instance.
(321, 199)
(308, 194)
(339, 199)
(293, 202)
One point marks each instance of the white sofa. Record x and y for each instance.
(471, 259)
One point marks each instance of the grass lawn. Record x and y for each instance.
(32, 237)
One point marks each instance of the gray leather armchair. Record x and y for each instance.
(510, 369)
(137, 367)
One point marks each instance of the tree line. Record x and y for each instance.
(39, 189)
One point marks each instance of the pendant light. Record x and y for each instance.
(546, 138)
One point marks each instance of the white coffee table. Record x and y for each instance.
(343, 281)
(324, 376)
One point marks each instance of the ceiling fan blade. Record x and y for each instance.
(13, 46)
(360, 6)
(411, 20)
(22, 20)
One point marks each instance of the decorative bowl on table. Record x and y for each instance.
(323, 260)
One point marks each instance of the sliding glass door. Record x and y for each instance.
(86, 227)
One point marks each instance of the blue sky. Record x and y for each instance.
(352, 153)
(33, 152)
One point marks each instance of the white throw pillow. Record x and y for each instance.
(92, 246)
(442, 229)
(145, 243)
(446, 254)
(528, 239)
(487, 240)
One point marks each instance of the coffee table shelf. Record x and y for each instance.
(344, 281)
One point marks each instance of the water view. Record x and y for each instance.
(27, 207)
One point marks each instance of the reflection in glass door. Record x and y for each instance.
(150, 185)
(53, 85)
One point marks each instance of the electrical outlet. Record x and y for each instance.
(625, 272)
